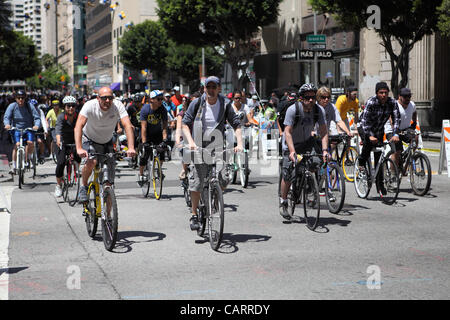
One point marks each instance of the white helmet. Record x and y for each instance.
(69, 99)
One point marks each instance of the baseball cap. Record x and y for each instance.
(176, 88)
(405, 92)
(254, 97)
(167, 94)
(212, 79)
(155, 93)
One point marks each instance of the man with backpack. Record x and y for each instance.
(299, 122)
(21, 115)
(206, 117)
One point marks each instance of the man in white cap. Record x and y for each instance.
(177, 98)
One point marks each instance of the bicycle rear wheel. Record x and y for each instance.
(74, 184)
(216, 217)
(348, 163)
(110, 224)
(311, 200)
(420, 173)
(244, 170)
(187, 193)
(157, 178)
(391, 182)
(90, 211)
(361, 180)
(233, 171)
(202, 213)
(334, 187)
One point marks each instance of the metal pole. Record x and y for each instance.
(203, 63)
(316, 70)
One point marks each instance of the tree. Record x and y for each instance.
(229, 24)
(184, 59)
(18, 58)
(405, 21)
(5, 15)
(50, 77)
(144, 46)
(444, 18)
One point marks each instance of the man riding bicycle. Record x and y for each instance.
(94, 131)
(153, 130)
(22, 115)
(65, 126)
(377, 111)
(299, 122)
(206, 116)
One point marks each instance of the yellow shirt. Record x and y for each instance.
(344, 105)
(53, 117)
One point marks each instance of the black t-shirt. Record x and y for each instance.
(155, 120)
(133, 113)
(66, 129)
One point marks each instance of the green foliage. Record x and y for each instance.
(144, 46)
(230, 24)
(50, 78)
(444, 18)
(184, 59)
(18, 58)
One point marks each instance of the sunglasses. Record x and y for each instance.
(211, 87)
(158, 99)
(309, 97)
(325, 97)
(237, 98)
(104, 98)
(20, 98)
(70, 105)
(407, 97)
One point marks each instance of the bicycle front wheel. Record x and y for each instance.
(145, 186)
(74, 183)
(111, 220)
(361, 180)
(90, 211)
(216, 217)
(420, 173)
(20, 168)
(157, 178)
(311, 201)
(334, 188)
(348, 163)
(390, 187)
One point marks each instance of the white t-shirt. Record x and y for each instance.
(210, 117)
(405, 116)
(101, 124)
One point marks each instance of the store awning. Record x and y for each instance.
(115, 86)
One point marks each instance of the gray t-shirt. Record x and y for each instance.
(333, 117)
(302, 131)
(101, 124)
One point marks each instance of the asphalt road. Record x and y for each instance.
(368, 251)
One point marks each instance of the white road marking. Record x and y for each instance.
(5, 209)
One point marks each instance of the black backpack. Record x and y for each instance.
(299, 113)
(281, 115)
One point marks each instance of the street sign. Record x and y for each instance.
(289, 56)
(317, 46)
(320, 54)
(316, 38)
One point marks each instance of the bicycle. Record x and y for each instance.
(365, 176)
(332, 176)
(305, 189)
(241, 164)
(211, 205)
(102, 204)
(347, 157)
(152, 172)
(418, 164)
(185, 187)
(20, 157)
(72, 177)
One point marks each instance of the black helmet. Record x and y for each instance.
(20, 93)
(307, 87)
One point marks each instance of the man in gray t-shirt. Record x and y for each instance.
(299, 124)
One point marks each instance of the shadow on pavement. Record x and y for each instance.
(124, 243)
(229, 241)
(12, 270)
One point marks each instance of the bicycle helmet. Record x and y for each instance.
(69, 100)
(307, 87)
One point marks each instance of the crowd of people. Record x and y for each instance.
(168, 118)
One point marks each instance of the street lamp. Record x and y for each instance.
(202, 28)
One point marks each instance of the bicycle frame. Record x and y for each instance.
(372, 175)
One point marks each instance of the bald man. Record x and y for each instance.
(94, 133)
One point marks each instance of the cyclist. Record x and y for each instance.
(298, 137)
(65, 126)
(43, 131)
(348, 102)
(408, 113)
(179, 133)
(94, 131)
(377, 111)
(153, 130)
(52, 116)
(21, 114)
(205, 117)
(133, 110)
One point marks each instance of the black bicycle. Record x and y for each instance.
(72, 177)
(305, 189)
(416, 162)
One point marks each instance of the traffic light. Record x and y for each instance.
(85, 60)
(130, 78)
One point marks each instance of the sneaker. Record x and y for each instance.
(41, 160)
(58, 191)
(194, 222)
(82, 196)
(142, 179)
(284, 210)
